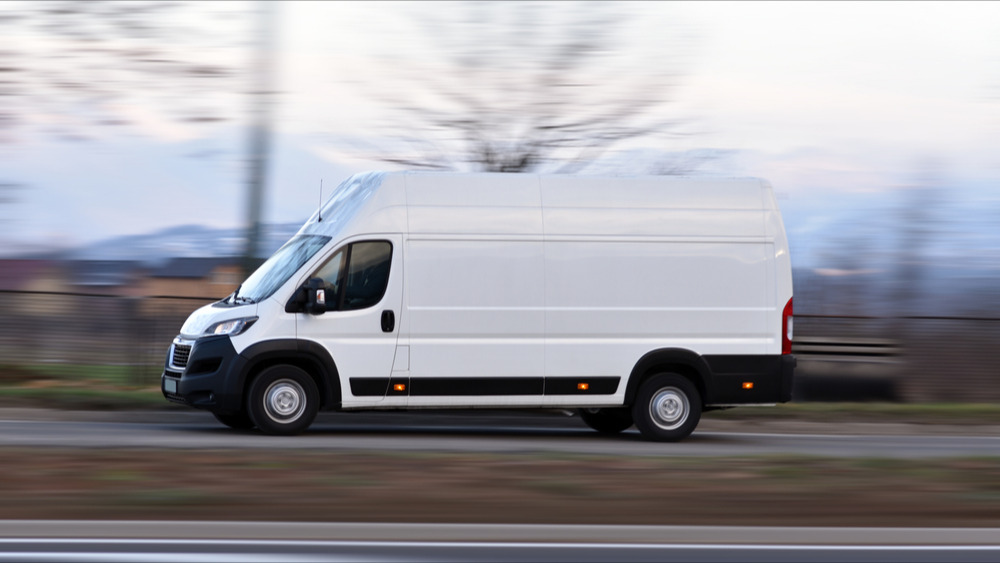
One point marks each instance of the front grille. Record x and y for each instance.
(180, 357)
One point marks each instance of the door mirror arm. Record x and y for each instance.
(315, 296)
(310, 298)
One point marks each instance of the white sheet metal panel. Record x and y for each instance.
(780, 283)
(272, 321)
(608, 303)
(475, 307)
(660, 192)
(683, 223)
(655, 206)
(475, 204)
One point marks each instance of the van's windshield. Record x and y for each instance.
(279, 267)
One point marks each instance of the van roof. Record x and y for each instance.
(565, 190)
(495, 203)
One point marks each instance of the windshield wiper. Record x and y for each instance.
(237, 299)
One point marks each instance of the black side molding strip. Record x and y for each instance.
(581, 385)
(472, 386)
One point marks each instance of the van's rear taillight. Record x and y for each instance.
(786, 329)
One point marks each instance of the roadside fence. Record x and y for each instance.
(124, 340)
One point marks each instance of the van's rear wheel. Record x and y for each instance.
(283, 400)
(607, 421)
(667, 408)
(236, 421)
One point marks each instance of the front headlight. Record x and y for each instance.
(232, 327)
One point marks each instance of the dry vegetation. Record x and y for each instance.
(527, 488)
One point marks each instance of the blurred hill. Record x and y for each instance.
(174, 242)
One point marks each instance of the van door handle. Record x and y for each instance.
(388, 321)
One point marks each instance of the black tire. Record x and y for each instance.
(667, 408)
(607, 421)
(283, 400)
(236, 421)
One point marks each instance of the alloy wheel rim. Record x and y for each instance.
(669, 408)
(284, 401)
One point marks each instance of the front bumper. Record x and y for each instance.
(209, 376)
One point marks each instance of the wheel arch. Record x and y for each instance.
(681, 361)
(306, 355)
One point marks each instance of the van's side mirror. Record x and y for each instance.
(310, 298)
(315, 296)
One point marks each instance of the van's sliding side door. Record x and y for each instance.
(476, 321)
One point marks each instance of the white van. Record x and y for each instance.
(637, 300)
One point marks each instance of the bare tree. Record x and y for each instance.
(515, 87)
(70, 68)
(77, 68)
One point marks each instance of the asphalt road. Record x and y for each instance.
(137, 541)
(141, 551)
(485, 432)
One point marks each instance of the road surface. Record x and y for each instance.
(501, 432)
(290, 542)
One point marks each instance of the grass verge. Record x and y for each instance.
(69, 397)
(496, 488)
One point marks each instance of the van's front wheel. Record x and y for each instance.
(283, 400)
(667, 408)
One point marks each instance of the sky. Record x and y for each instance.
(843, 106)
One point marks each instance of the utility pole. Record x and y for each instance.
(259, 138)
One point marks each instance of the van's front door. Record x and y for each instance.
(362, 291)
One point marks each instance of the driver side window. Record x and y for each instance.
(356, 276)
